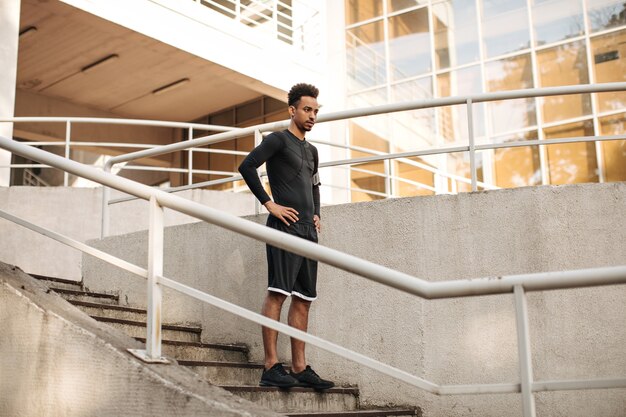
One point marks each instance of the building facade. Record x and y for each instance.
(231, 62)
(401, 50)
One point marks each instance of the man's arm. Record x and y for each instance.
(316, 192)
(248, 169)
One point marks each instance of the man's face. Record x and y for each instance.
(305, 113)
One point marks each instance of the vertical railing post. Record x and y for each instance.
(190, 158)
(472, 150)
(258, 137)
(388, 174)
(524, 350)
(68, 133)
(155, 269)
(106, 193)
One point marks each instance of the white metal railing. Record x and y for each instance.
(471, 148)
(296, 22)
(519, 285)
(68, 144)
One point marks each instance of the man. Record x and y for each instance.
(292, 164)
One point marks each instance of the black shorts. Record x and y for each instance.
(288, 273)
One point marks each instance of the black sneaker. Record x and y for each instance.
(276, 376)
(308, 378)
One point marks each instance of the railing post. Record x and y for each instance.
(472, 149)
(523, 346)
(155, 270)
(68, 132)
(106, 193)
(190, 159)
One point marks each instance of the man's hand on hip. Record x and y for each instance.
(285, 214)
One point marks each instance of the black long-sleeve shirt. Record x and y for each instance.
(291, 167)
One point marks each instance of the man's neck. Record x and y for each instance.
(295, 131)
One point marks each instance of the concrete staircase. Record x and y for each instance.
(224, 365)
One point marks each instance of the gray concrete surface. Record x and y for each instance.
(56, 361)
(575, 333)
(76, 213)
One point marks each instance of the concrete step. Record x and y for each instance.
(300, 400)
(60, 283)
(202, 352)
(168, 331)
(111, 311)
(88, 296)
(226, 373)
(399, 412)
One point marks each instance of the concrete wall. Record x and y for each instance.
(575, 333)
(56, 361)
(76, 213)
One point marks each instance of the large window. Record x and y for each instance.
(505, 26)
(510, 74)
(605, 14)
(402, 50)
(564, 65)
(409, 44)
(557, 20)
(456, 33)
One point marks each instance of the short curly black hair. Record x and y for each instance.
(301, 90)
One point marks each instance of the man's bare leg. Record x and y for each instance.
(272, 307)
(298, 318)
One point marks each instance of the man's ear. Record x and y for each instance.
(292, 111)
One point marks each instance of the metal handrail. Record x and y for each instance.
(516, 284)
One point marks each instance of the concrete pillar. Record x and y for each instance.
(9, 33)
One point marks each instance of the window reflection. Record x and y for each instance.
(614, 152)
(564, 65)
(571, 163)
(456, 33)
(413, 175)
(453, 119)
(366, 56)
(604, 14)
(519, 166)
(556, 20)
(360, 10)
(368, 176)
(510, 74)
(609, 56)
(505, 26)
(413, 129)
(396, 5)
(409, 44)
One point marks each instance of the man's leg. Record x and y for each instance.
(298, 318)
(272, 307)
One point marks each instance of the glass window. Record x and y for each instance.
(453, 119)
(360, 10)
(365, 51)
(556, 20)
(505, 26)
(571, 163)
(604, 14)
(413, 129)
(564, 65)
(413, 178)
(609, 56)
(456, 33)
(368, 176)
(614, 151)
(396, 5)
(519, 166)
(510, 74)
(409, 44)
